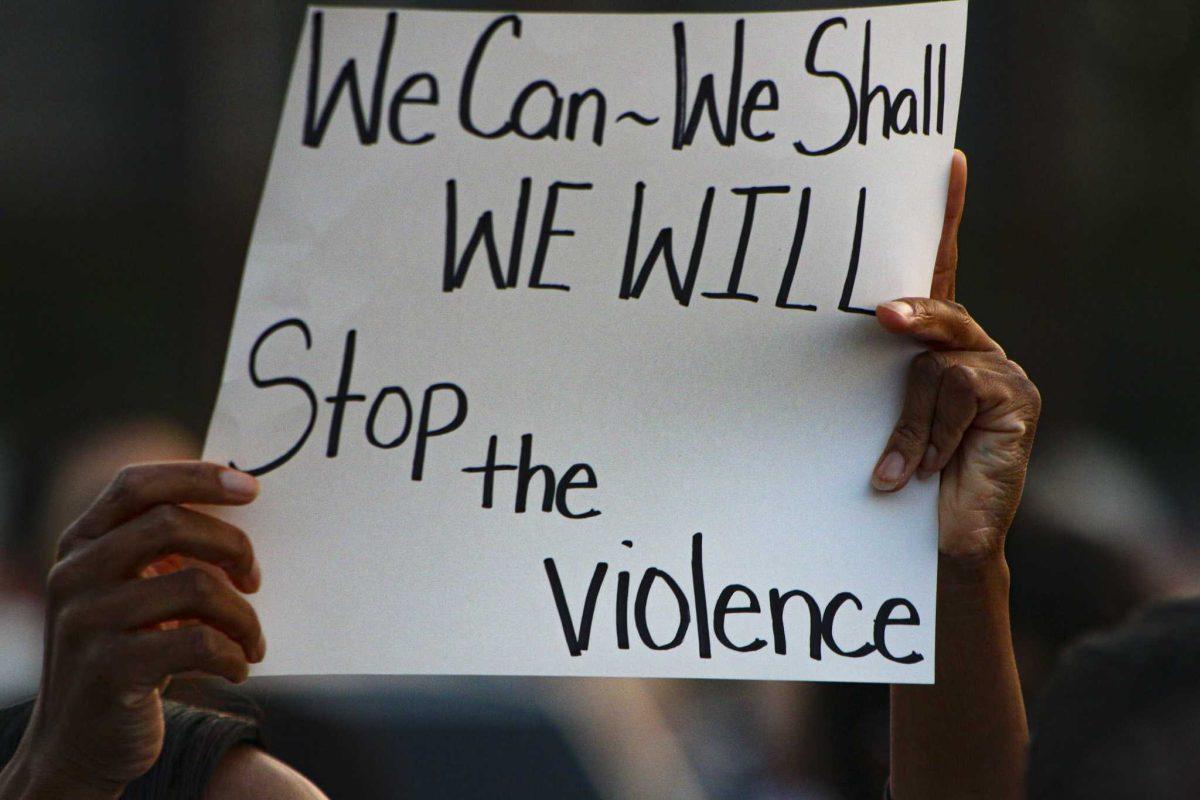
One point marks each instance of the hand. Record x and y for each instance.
(969, 412)
(117, 629)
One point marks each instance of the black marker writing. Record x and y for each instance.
(655, 580)
(443, 406)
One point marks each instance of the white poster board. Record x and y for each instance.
(461, 247)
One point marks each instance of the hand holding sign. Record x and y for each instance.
(117, 631)
(969, 412)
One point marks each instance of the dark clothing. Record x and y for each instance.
(195, 741)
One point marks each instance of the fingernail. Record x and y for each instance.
(899, 307)
(929, 460)
(239, 483)
(889, 471)
(255, 576)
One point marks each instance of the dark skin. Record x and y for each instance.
(969, 413)
(147, 588)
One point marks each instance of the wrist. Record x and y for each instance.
(973, 575)
(975, 595)
(28, 777)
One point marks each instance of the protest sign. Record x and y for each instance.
(555, 351)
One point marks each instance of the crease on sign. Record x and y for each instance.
(285, 290)
(274, 275)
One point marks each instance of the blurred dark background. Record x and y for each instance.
(134, 142)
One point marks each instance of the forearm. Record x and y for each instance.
(965, 736)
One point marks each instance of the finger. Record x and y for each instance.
(938, 324)
(171, 530)
(978, 395)
(155, 656)
(139, 487)
(190, 594)
(910, 437)
(945, 269)
(957, 406)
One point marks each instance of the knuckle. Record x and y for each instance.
(200, 585)
(71, 539)
(58, 581)
(1032, 396)
(128, 484)
(204, 643)
(167, 516)
(1009, 365)
(927, 366)
(1035, 398)
(923, 308)
(63, 580)
(960, 379)
(959, 312)
(1023, 386)
(909, 434)
(66, 618)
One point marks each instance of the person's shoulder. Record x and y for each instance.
(248, 772)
